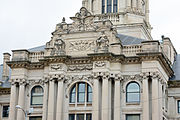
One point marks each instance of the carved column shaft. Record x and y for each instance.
(96, 100)
(155, 99)
(105, 99)
(59, 111)
(21, 102)
(145, 99)
(51, 101)
(117, 101)
(13, 100)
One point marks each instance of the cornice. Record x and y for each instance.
(159, 57)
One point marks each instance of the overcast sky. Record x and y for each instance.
(28, 23)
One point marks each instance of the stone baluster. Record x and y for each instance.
(117, 100)
(13, 100)
(60, 95)
(45, 100)
(21, 101)
(51, 100)
(105, 97)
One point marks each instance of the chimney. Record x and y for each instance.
(6, 58)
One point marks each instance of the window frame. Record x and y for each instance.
(127, 100)
(133, 115)
(7, 111)
(178, 106)
(32, 96)
(77, 93)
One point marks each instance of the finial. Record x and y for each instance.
(63, 20)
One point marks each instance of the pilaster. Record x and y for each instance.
(96, 99)
(21, 100)
(60, 94)
(51, 100)
(145, 97)
(45, 100)
(105, 97)
(13, 100)
(117, 100)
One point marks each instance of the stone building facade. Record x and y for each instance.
(103, 66)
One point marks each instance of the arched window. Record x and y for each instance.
(81, 92)
(133, 92)
(37, 95)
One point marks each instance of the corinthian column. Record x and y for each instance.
(60, 99)
(13, 100)
(105, 98)
(117, 101)
(51, 100)
(21, 101)
(96, 99)
(155, 98)
(45, 101)
(145, 97)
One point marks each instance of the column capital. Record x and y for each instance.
(101, 74)
(116, 76)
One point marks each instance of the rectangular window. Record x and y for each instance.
(5, 111)
(103, 6)
(88, 116)
(80, 117)
(35, 118)
(81, 92)
(132, 117)
(109, 4)
(178, 104)
(115, 6)
(71, 116)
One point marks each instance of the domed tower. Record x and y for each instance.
(130, 17)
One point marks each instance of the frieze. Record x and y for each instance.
(82, 67)
(99, 64)
(82, 45)
(56, 67)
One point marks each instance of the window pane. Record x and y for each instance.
(89, 88)
(37, 100)
(81, 97)
(35, 118)
(80, 116)
(115, 6)
(89, 97)
(72, 98)
(103, 6)
(81, 87)
(71, 117)
(133, 97)
(37, 95)
(108, 6)
(5, 111)
(132, 117)
(88, 117)
(133, 87)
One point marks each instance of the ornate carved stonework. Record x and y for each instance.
(83, 21)
(82, 45)
(59, 47)
(102, 43)
(56, 67)
(99, 64)
(82, 67)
